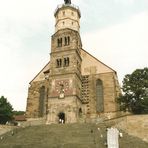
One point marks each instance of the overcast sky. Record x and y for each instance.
(114, 31)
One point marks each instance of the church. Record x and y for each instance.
(74, 86)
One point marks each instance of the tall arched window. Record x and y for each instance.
(42, 101)
(65, 41)
(99, 96)
(68, 43)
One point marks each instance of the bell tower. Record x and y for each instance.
(65, 66)
(67, 16)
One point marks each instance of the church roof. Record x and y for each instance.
(99, 60)
(44, 70)
(101, 67)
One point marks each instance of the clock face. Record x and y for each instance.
(62, 87)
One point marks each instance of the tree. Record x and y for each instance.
(135, 92)
(6, 110)
(18, 112)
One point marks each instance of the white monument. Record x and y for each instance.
(112, 138)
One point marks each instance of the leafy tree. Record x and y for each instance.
(18, 112)
(135, 92)
(6, 110)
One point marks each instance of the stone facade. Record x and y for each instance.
(135, 125)
(74, 85)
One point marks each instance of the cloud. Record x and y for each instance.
(125, 2)
(27, 25)
(121, 46)
(23, 24)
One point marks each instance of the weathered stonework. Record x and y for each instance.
(136, 125)
(74, 86)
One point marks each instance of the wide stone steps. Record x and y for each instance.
(58, 136)
(65, 136)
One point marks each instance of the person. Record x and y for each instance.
(60, 120)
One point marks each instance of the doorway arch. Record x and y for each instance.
(61, 116)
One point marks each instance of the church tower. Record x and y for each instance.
(64, 98)
(67, 16)
(74, 86)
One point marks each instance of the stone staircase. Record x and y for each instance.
(51, 136)
(63, 136)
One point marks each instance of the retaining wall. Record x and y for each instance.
(136, 125)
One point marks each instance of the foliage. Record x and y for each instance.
(5, 110)
(18, 112)
(135, 92)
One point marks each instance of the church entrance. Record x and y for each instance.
(61, 116)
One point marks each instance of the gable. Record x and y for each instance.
(91, 65)
(41, 76)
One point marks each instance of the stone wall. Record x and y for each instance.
(69, 106)
(33, 122)
(32, 110)
(4, 129)
(136, 125)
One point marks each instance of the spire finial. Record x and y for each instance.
(67, 1)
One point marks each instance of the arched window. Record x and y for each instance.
(72, 13)
(63, 13)
(41, 101)
(99, 96)
(59, 42)
(67, 41)
(58, 63)
(66, 61)
(80, 112)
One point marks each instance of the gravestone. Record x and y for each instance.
(112, 138)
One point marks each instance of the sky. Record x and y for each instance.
(114, 31)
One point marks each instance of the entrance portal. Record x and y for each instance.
(61, 116)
